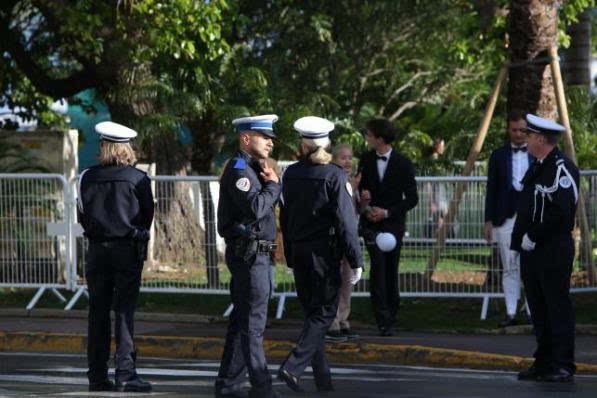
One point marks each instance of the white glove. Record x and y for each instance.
(527, 244)
(356, 275)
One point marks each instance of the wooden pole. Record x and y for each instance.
(581, 214)
(468, 167)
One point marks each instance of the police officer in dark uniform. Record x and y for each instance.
(249, 192)
(319, 226)
(542, 235)
(115, 207)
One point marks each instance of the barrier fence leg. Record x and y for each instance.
(228, 310)
(280, 309)
(35, 298)
(484, 308)
(57, 294)
(75, 298)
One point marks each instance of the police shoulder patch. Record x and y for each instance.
(243, 184)
(565, 182)
(240, 164)
(349, 188)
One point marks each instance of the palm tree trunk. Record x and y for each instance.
(577, 58)
(532, 30)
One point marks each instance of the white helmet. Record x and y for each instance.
(385, 241)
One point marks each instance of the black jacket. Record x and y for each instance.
(246, 205)
(397, 192)
(317, 198)
(548, 201)
(501, 199)
(114, 202)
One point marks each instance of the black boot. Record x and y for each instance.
(104, 385)
(291, 380)
(531, 374)
(323, 382)
(558, 376)
(134, 384)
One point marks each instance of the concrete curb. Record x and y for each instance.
(82, 314)
(211, 348)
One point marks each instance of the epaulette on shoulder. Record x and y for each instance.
(240, 164)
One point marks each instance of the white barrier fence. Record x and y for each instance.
(40, 245)
(35, 233)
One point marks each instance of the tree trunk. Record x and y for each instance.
(177, 231)
(204, 149)
(532, 30)
(577, 58)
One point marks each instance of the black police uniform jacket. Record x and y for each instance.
(246, 207)
(317, 199)
(115, 202)
(396, 192)
(548, 201)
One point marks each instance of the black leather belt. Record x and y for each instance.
(266, 246)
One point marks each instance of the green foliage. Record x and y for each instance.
(427, 66)
(582, 110)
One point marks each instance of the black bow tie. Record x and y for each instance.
(519, 148)
(384, 158)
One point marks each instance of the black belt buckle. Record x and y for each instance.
(267, 247)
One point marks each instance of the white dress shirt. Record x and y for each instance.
(382, 165)
(520, 165)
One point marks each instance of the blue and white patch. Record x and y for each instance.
(243, 184)
(565, 182)
(240, 164)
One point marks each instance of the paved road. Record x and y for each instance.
(52, 375)
(513, 344)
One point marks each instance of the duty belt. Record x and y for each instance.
(266, 246)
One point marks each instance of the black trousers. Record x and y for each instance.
(317, 278)
(383, 283)
(113, 273)
(546, 274)
(250, 291)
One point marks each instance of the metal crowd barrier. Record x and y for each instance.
(187, 256)
(35, 233)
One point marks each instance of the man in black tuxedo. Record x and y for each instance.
(388, 192)
(507, 166)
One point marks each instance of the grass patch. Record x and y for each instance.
(414, 314)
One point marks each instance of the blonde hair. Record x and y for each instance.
(116, 153)
(317, 147)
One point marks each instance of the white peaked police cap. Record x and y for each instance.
(385, 241)
(536, 124)
(263, 124)
(313, 127)
(114, 132)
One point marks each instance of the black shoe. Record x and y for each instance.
(349, 334)
(386, 331)
(510, 320)
(104, 385)
(234, 391)
(291, 380)
(323, 382)
(136, 384)
(558, 376)
(267, 392)
(531, 374)
(335, 336)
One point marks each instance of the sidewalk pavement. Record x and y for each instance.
(196, 336)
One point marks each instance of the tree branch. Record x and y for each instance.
(55, 88)
(404, 107)
(405, 86)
